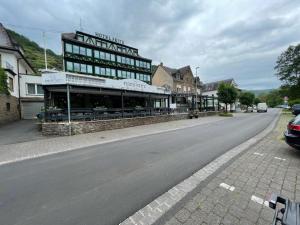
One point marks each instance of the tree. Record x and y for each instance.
(256, 101)
(227, 94)
(247, 99)
(274, 98)
(3, 83)
(288, 65)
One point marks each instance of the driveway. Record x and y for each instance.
(19, 131)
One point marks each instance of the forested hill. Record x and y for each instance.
(35, 54)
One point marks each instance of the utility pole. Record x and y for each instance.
(45, 49)
(196, 87)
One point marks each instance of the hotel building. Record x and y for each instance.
(103, 56)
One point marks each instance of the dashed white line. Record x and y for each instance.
(280, 158)
(227, 187)
(256, 153)
(259, 200)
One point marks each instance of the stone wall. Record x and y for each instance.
(8, 109)
(81, 127)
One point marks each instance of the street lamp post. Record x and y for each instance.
(196, 87)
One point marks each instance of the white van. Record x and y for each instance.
(262, 107)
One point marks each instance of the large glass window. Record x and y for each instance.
(119, 59)
(76, 67)
(112, 57)
(39, 89)
(11, 84)
(113, 72)
(107, 56)
(75, 49)
(82, 68)
(97, 70)
(89, 69)
(102, 55)
(96, 54)
(89, 52)
(82, 50)
(69, 66)
(68, 48)
(102, 71)
(31, 89)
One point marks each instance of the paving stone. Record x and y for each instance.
(173, 221)
(220, 210)
(230, 220)
(213, 219)
(182, 215)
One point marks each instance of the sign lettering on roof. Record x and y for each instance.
(109, 38)
(111, 43)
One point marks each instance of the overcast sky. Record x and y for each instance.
(237, 39)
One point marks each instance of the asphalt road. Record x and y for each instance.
(105, 184)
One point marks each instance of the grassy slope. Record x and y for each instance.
(35, 54)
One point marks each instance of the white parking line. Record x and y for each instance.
(256, 153)
(227, 187)
(259, 200)
(279, 158)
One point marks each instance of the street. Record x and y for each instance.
(105, 184)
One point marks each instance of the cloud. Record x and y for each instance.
(228, 38)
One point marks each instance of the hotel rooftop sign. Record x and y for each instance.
(107, 42)
(109, 38)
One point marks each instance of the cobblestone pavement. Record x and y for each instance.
(270, 166)
(36, 148)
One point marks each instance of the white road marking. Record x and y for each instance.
(259, 200)
(227, 187)
(279, 158)
(256, 153)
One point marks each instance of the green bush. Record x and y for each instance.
(226, 114)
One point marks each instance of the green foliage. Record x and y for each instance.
(272, 99)
(227, 94)
(288, 66)
(226, 114)
(35, 54)
(293, 102)
(288, 70)
(256, 101)
(247, 98)
(3, 82)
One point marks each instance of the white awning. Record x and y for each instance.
(64, 78)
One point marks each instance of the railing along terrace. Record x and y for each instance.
(101, 113)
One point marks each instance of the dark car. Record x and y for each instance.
(296, 109)
(292, 134)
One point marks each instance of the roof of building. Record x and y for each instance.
(214, 85)
(172, 71)
(8, 43)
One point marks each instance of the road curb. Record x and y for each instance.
(152, 213)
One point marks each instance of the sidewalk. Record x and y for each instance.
(37, 148)
(236, 195)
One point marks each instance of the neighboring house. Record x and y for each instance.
(26, 97)
(211, 89)
(180, 81)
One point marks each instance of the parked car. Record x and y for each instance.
(296, 109)
(250, 109)
(292, 134)
(262, 107)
